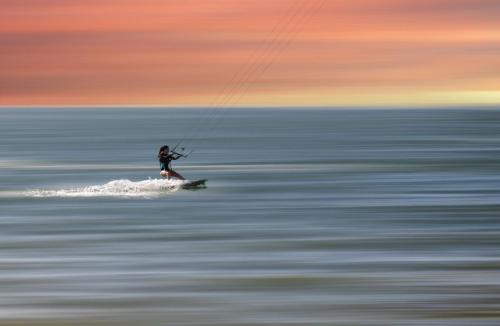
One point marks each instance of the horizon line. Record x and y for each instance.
(208, 106)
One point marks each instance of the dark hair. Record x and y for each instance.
(163, 148)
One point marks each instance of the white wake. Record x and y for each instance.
(116, 188)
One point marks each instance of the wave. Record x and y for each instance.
(116, 188)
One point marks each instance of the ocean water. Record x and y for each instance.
(310, 217)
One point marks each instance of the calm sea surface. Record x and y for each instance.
(311, 217)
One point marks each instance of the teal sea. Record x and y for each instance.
(310, 217)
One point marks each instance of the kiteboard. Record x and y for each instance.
(198, 184)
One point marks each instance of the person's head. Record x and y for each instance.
(164, 149)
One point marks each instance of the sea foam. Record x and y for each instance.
(116, 188)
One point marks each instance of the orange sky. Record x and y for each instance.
(249, 52)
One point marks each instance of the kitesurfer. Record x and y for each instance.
(166, 157)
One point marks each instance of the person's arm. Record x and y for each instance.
(176, 156)
(165, 158)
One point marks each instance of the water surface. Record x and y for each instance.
(311, 217)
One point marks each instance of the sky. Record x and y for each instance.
(249, 52)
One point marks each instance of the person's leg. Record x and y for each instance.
(164, 174)
(174, 174)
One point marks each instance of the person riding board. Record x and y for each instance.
(166, 157)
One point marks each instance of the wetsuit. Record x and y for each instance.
(165, 161)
